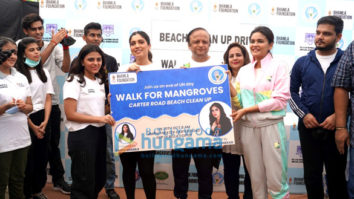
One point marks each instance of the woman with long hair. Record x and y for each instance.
(15, 104)
(262, 92)
(126, 133)
(235, 56)
(220, 124)
(84, 106)
(140, 46)
(29, 64)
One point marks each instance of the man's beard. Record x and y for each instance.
(328, 47)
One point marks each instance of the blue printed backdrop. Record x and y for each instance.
(167, 22)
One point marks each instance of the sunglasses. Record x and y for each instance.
(8, 53)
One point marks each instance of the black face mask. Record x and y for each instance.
(68, 41)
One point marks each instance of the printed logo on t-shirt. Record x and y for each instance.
(20, 84)
(91, 90)
(3, 85)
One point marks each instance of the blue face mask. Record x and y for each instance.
(32, 63)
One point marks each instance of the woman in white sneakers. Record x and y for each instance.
(84, 105)
(262, 91)
(29, 64)
(15, 104)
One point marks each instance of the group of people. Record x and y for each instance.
(29, 111)
(260, 89)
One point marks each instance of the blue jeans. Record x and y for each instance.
(351, 174)
(111, 172)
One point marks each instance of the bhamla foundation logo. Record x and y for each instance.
(311, 12)
(50, 3)
(106, 4)
(138, 5)
(196, 6)
(254, 9)
(80, 4)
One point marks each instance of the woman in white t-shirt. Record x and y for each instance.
(84, 105)
(15, 103)
(140, 48)
(41, 87)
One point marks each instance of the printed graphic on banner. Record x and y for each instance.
(345, 40)
(52, 25)
(342, 9)
(295, 154)
(253, 11)
(284, 41)
(310, 12)
(283, 12)
(305, 40)
(170, 109)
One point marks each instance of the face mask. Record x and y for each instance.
(32, 63)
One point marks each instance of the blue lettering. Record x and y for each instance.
(198, 131)
(217, 143)
(148, 131)
(143, 139)
(189, 143)
(169, 140)
(201, 142)
(158, 131)
(159, 141)
(178, 142)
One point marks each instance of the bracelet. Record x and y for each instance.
(65, 47)
(52, 41)
(339, 128)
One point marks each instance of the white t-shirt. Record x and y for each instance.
(14, 132)
(325, 61)
(39, 90)
(90, 100)
(53, 65)
(148, 67)
(209, 62)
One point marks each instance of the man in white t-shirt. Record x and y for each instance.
(315, 109)
(53, 58)
(204, 158)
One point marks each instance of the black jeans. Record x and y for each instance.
(231, 176)
(318, 149)
(36, 174)
(56, 166)
(145, 161)
(203, 163)
(87, 149)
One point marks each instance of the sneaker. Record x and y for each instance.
(112, 194)
(62, 186)
(39, 196)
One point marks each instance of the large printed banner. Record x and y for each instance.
(170, 109)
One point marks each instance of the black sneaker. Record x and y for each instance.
(112, 194)
(62, 186)
(39, 196)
